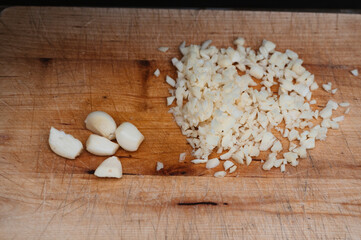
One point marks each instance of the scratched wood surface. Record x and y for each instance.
(59, 64)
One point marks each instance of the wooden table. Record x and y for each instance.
(59, 64)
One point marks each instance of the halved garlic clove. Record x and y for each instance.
(100, 146)
(101, 123)
(129, 137)
(65, 145)
(110, 167)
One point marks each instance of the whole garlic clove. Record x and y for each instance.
(110, 167)
(128, 136)
(64, 145)
(101, 123)
(100, 146)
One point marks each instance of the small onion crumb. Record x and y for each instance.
(157, 73)
(160, 165)
(182, 157)
(220, 174)
(354, 72)
(163, 49)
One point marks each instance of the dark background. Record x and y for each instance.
(295, 5)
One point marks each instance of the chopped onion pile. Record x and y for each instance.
(219, 107)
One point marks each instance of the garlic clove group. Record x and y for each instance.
(110, 167)
(129, 137)
(101, 123)
(100, 146)
(64, 145)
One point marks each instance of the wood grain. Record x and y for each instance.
(59, 64)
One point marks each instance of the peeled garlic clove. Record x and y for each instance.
(101, 123)
(110, 167)
(63, 144)
(129, 137)
(100, 146)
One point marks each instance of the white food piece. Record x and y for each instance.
(248, 160)
(157, 73)
(212, 163)
(177, 64)
(347, 110)
(291, 54)
(100, 146)
(334, 125)
(206, 44)
(338, 119)
(163, 49)
(332, 104)
(302, 89)
(227, 164)
(110, 167)
(270, 162)
(314, 86)
(182, 157)
(291, 157)
(293, 135)
(239, 41)
(344, 104)
(220, 174)
(277, 146)
(129, 137)
(292, 146)
(327, 87)
(197, 161)
(64, 145)
(170, 100)
(227, 155)
(278, 163)
(256, 71)
(333, 91)
(326, 112)
(170, 81)
(238, 157)
(233, 169)
(355, 72)
(309, 143)
(160, 165)
(267, 141)
(301, 151)
(283, 168)
(101, 123)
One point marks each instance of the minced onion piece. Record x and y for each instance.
(170, 81)
(157, 73)
(163, 49)
(327, 87)
(182, 157)
(160, 165)
(212, 163)
(220, 174)
(227, 164)
(232, 169)
(338, 119)
(344, 104)
(355, 72)
(197, 161)
(170, 100)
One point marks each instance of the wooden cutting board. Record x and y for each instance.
(59, 64)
